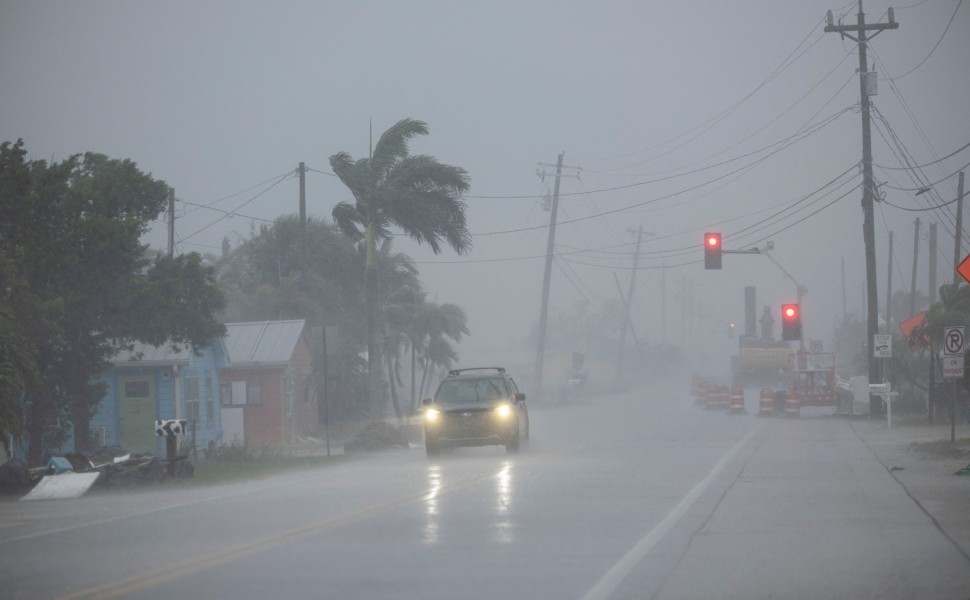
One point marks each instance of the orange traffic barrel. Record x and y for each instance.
(737, 400)
(714, 394)
(766, 405)
(792, 406)
(702, 392)
(698, 387)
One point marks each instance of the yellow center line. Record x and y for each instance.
(186, 567)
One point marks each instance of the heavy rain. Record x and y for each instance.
(470, 300)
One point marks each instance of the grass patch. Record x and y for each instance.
(943, 448)
(217, 471)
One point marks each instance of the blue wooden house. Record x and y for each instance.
(149, 383)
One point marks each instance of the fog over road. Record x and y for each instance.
(634, 495)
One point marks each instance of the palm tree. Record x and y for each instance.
(432, 328)
(393, 189)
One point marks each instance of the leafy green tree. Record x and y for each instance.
(69, 236)
(393, 189)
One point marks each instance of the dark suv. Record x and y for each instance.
(476, 407)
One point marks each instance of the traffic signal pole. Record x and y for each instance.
(868, 188)
(800, 291)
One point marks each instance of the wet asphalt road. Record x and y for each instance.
(635, 495)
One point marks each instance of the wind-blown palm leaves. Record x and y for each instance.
(393, 189)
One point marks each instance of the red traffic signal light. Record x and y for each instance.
(712, 250)
(791, 322)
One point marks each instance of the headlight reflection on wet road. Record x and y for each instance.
(503, 498)
(502, 527)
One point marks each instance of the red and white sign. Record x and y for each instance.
(953, 341)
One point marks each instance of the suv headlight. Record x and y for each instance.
(431, 415)
(504, 411)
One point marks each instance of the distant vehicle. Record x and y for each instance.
(475, 407)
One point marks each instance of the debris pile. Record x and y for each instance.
(375, 436)
(70, 476)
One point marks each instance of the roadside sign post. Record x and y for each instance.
(954, 344)
(169, 429)
(882, 346)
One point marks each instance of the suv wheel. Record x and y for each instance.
(512, 446)
(432, 449)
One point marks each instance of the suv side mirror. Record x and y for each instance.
(426, 402)
(520, 396)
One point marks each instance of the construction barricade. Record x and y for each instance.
(766, 404)
(737, 400)
(792, 405)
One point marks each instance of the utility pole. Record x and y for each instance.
(889, 287)
(868, 188)
(663, 304)
(303, 242)
(958, 234)
(845, 312)
(171, 222)
(932, 284)
(627, 303)
(912, 281)
(547, 275)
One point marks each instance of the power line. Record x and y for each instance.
(241, 192)
(711, 122)
(954, 153)
(233, 212)
(935, 46)
(824, 123)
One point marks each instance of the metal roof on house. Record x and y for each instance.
(262, 342)
(146, 355)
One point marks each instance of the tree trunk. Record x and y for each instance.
(35, 439)
(375, 390)
(424, 382)
(393, 384)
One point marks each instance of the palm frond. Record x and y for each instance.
(393, 145)
(354, 174)
(430, 217)
(347, 217)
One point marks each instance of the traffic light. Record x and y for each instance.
(791, 322)
(712, 250)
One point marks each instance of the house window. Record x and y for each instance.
(136, 389)
(253, 395)
(210, 416)
(226, 393)
(192, 398)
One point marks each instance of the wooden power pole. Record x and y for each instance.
(861, 29)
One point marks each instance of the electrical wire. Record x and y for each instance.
(226, 212)
(666, 196)
(938, 206)
(952, 154)
(239, 193)
(935, 46)
(711, 122)
(937, 182)
(233, 212)
(754, 133)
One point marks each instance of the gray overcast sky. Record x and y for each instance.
(214, 97)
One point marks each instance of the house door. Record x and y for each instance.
(136, 412)
(233, 426)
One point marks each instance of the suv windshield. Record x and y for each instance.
(478, 390)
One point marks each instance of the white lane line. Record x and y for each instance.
(622, 569)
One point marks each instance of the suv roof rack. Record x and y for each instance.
(455, 372)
